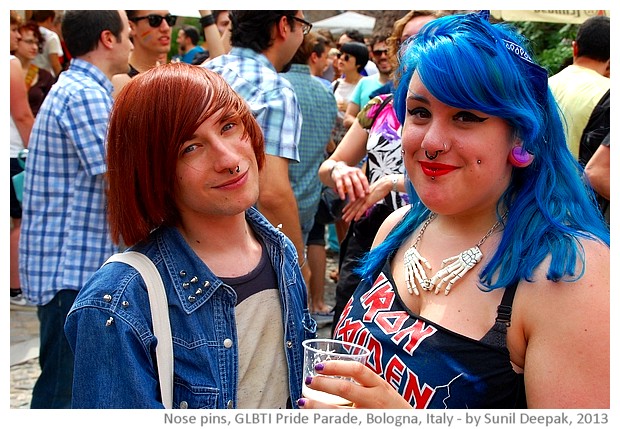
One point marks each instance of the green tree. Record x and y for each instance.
(551, 43)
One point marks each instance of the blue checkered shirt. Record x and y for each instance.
(270, 97)
(64, 233)
(319, 110)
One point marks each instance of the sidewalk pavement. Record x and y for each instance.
(24, 354)
(25, 343)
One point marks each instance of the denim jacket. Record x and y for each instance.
(109, 327)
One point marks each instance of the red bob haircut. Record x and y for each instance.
(154, 114)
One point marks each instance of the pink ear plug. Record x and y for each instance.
(519, 157)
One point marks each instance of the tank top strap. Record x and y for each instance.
(496, 336)
(504, 309)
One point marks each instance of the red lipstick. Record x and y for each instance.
(436, 169)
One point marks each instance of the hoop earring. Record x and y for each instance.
(519, 157)
(238, 169)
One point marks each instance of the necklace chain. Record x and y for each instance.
(452, 269)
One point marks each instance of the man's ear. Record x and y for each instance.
(282, 27)
(107, 39)
(607, 68)
(575, 49)
(314, 57)
(132, 29)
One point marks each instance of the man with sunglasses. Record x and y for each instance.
(151, 33)
(263, 45)
(368, 84)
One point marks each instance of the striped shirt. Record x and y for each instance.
(270, 97)
(64, 233)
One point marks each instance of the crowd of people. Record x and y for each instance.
(224, 164)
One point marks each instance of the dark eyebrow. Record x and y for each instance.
(417, 97)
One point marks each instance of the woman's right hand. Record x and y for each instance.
(368, 391)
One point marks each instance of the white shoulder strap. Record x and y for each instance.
(161, 319)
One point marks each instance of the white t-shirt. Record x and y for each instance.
(15, 138)
(51, 46)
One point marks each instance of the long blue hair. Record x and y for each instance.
(469, 63)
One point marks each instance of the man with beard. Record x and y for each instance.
(263, 44)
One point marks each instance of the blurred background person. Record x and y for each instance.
(50, 56)
(65, 236)
(188, 40)
(318, 108)
(38, 81)
(21, 124)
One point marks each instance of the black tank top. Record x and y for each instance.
(429, 365)
(132, 71)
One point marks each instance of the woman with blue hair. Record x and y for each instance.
(493, 290)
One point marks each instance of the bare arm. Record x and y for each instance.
(214, 40)
(278, 204)
(20, 109)
(350, 114)
(55, 63)
(597, 171)
(340, 170)
(118, 82)
(566, 328)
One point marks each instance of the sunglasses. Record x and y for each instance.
(379, 52)
(346, 57)
(155, 20)
(305, 25)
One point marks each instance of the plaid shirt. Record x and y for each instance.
(319, 110)
(64, 233)
(270, 97)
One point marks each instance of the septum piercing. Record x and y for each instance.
(431, 157)
(238, 169)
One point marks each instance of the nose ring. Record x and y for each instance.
(431, 157)
(238, 169)
(437, 152)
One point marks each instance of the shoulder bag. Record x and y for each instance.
(159, 314)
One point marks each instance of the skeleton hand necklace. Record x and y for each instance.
(452, 269)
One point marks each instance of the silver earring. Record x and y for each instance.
(238, 169)
(230, 171)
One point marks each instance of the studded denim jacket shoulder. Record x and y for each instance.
(109, 327)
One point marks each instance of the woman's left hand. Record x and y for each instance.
(354, 210)
(368, 391)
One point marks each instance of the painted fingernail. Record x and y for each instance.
(319, 367)
(308, 380)
(301, 402)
